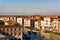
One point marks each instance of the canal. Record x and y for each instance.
(50, 35)
(46, 35)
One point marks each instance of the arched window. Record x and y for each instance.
(11, 34)
(11, 29)
(15, 29)
(7, 29)
(19, 33)
(15, 33)
(19, 29)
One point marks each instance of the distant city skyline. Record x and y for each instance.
(29, 7)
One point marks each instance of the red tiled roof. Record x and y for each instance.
(51, 16)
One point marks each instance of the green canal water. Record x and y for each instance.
(51, 36)
(48, 35)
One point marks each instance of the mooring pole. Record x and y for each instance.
(22, 27)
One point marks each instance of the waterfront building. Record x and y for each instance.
(37, 24)
(19, 20)
(35, 21)
(27, 22)
(55, 25)
(14, 31)
(7, 18)
(49, 22)
(12, 18)
(13, 28)
(58, 25)
(42, 24)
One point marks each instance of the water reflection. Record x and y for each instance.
(51, 36)
(30, 35)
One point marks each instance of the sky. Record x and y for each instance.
(29, 7)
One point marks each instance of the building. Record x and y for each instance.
(13, 28)
(12, 18)
(47, 21)
(37, 24)
(19, 20)
(58, 25)
(8, 18)
(50, 22)
(42, 24)
(58, 28)
(27, 22)
(14, 31)
(35, 21)
(55, 25)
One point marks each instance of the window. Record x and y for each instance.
(11, 29)
(19, 29)
(15, 33)
(19, 33)
(11, 33)
(15, 29)
(46, 20)
(7, 29)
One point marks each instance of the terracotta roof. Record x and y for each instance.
(42, 20)
(27, 18)
(58, 18)
(51, 16)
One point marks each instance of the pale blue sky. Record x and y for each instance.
(27, 7)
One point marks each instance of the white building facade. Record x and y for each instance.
(55, 24)
(19, 20)
(47, 22)
(42, 24)
(27, 22)
(37, 25)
